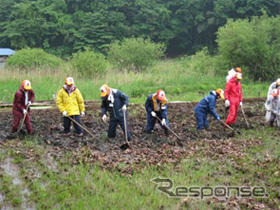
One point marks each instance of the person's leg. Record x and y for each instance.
(199, 120)
(205, 121)
(232, 113)
(66, 124)
(16, 120)
(150, 123)
(28, 123)
(112, 128)
(77, 127)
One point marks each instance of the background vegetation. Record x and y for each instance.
(63, 27)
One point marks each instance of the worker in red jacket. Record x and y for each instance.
(233, 96)
(22, 100)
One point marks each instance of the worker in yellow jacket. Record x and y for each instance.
(70, 103)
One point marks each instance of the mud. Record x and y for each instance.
(153, 149)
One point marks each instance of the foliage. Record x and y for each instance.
(88, 63)
(33, 58)
(135, 53)
(64, 27)
(253, 45)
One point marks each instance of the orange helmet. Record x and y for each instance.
(238, 69)
(26, 85)
(105, 90)
(220, 92)
(69, 81)
(275, 92)
(160, 95)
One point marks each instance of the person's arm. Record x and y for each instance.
(59, 101)
(123, 97)
(80, 101)
(18, 101)
(164, 111)
(212, 107)
(149, 104)
(32, 96)
(103, 107)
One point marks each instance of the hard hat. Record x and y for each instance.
(69, 81)
(160, 95)
(278, 82)
(275, 92)
(238, 69)
(105, 90)
(238, 76)
(220, 92)
(26, 85)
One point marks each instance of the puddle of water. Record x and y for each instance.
(11, 169)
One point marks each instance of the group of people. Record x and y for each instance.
(70, 103)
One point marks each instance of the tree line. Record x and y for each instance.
(63, 27)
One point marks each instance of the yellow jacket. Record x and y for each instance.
(72, 103)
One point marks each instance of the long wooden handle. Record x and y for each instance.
(81, 126)
(169, 129)
(243, 113)
(226, 125)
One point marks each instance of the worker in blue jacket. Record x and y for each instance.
(156, 105)
(205, 106)
(115, 102)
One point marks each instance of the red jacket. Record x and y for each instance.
(233, 91)
(19, 100)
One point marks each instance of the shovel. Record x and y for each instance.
(226, 125)
(243, 113)
(179, 140)
(74, 121)
(126, 144)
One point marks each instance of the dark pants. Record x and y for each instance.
(201, 119)
(151, 121)
(113, 126)
(67, 124)
(16, 121)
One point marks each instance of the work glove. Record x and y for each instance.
(163, 122)
(82, 114)
(29, 103)
(153, 114)
(240, 104)
(124, 108)
(64, 113)
(24, 111)
(227, 103)
(104, 118)
(218, 118)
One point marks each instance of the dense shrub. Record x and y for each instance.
(33, 58)
(135, 53)
(253, 45)
(89, 63)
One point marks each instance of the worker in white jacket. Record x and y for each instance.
(273, 85)
(272, 107)
(232, 73)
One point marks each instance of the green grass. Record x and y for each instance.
(179, 78)
(85, 185)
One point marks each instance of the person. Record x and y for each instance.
(207, 106)
(156, 106)
(115, 102)
(272, 107)
(23, 98)
(70, 103)
(273, 85)
(233, 96)
(232, 72)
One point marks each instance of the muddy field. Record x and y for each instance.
(151, 149)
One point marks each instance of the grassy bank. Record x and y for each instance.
(53, 181)
(180, 78)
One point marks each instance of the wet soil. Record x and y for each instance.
(149, 148)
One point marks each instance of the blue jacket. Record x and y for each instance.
(114, 103)
(208, 104)
(151, 105)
